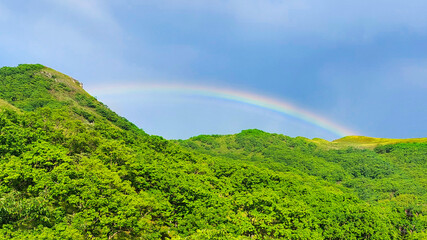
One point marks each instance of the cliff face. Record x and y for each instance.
(70, 168)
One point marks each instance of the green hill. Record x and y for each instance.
(362, 142)
(70, 168)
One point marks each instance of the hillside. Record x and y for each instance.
(70, 168)
(373, 174)
(364, 142)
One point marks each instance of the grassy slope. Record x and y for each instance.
(363, 142)
(6, 105)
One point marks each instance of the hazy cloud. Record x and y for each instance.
(91, 9)
(71, 35)
(4, 13)
(414, 73)
(95, 13)
(330, 19)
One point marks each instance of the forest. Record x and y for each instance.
(71, 168)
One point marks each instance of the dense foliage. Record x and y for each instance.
(70, 168)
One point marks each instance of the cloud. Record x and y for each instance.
(385, 100)
(4, 13)
(92, 12)
(91, 9)
(395, 76)
(334, 20)
(79, 38)
(390, 77)
(414, 73)
(85, 19)
(276, 13)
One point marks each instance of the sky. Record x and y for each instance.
(361, 65)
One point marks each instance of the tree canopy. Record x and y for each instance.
(70, 168)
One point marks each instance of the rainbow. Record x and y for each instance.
(261, 101)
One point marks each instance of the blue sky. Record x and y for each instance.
(361, 64)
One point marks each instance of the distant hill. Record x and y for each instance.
(71, 168)
(364, 142)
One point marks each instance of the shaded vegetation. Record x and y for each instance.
(70, 168)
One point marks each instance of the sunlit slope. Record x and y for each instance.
(369, 141)
(5, 105)
(363, 142)
(32, 86)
